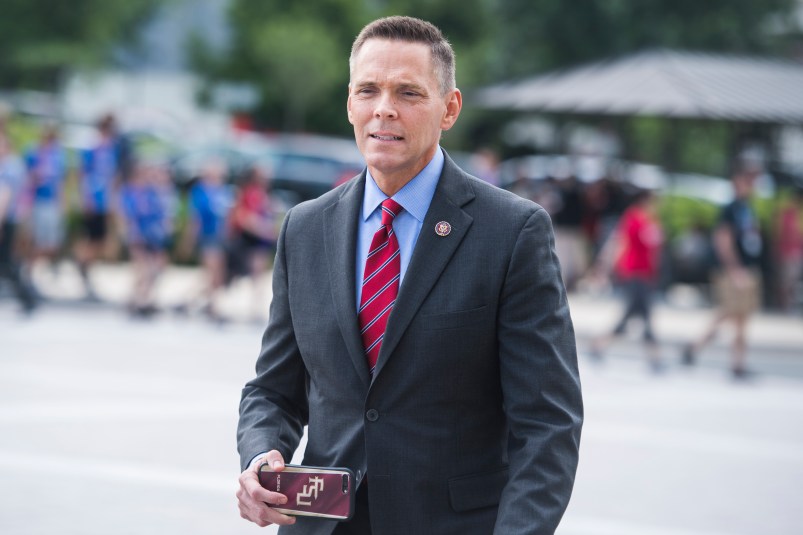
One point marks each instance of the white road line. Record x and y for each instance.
(602, 526)
(120, 472)
(89, 379)
(695, 441)
(136, 410)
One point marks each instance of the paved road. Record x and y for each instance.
(109, 425)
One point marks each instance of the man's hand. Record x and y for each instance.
(253, 498)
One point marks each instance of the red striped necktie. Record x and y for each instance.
(380, 284)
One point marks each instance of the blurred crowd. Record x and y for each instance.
(588, 212)
(610, 234)
(107, 202)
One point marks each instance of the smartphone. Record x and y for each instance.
(312, 491)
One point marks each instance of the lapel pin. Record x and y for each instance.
(443, 228)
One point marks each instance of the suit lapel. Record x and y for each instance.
(340, 244)
(431, 255)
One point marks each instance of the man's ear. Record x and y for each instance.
(454, 103)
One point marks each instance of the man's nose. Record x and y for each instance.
(386, 107)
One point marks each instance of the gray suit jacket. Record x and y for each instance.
(471, 423)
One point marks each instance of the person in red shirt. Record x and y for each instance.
(634, 250)
(255, 227)
(790, 251)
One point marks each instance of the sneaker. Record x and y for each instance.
(688, 356)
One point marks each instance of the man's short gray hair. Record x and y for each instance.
(412, 30)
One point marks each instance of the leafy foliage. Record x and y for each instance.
(560, 34)
(41, 38)
(297, 53)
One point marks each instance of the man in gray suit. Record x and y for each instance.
(466, 419)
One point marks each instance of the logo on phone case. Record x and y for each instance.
(310, 491)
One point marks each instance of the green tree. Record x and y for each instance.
(546, 34)
(40, 39)
(298, 79)
(297, 53)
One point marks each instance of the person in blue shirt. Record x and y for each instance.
(146, 209)
(99, 175)
(46, 163)
(12, 181)
(210, 202)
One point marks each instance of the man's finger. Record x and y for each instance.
(275, 460)
(250, 487)
(262, 515)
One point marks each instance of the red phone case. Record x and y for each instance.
(312, 491)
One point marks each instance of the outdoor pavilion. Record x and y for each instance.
(753, 96)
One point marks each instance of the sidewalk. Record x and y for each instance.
(677, 324)
(113, 283)
(677, 320)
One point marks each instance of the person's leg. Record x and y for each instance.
(90, 248)
(155, 261)
(214, 264)
(258, 266)
(48, 232)
(139, 267)
(691, 350)
(10, 269)
(643, 308)
(601, 343)
(739, 347)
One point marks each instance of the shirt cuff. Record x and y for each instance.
(257, 459)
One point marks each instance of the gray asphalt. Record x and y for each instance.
(111, 425)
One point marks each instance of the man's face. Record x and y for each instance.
(397, 109)
(743, 184)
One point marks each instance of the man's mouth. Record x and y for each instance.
(386, 138)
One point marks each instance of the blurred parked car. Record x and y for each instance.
(304, 167)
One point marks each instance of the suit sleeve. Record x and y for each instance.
(273, 406)
(540, 385)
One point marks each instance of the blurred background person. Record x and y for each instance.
(570, 241)
(485, 165)
(254, 225)
(737, 283)
(47, 170)
(634, 251)
(99, 175)
(12, 183)
(146, 208)
(789, 251)
(210, 203)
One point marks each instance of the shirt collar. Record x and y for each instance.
(415, 196)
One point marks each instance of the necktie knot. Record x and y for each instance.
(390, 209)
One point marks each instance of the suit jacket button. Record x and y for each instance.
(372, 415)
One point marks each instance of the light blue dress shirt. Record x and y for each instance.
(415, 197)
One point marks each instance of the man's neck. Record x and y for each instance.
(390, 183)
